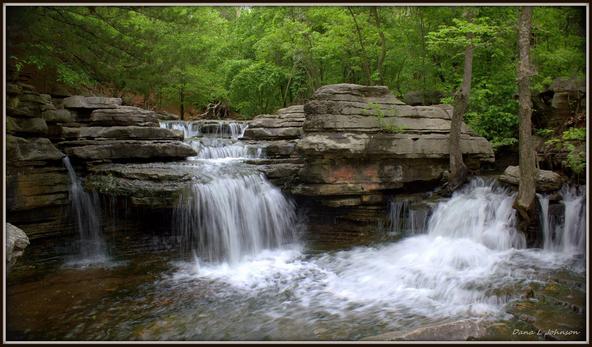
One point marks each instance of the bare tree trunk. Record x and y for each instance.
(365, 62)
(380, 62)
(525, 203)
(182, 102)
(458, 169)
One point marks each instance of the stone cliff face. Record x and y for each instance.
(342, 155)
(41, 131)
(278, 134)
(361, 144)
(36, 180)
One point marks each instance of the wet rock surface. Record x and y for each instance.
(545, 180)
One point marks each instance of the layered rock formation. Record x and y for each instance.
(91, 131)
(278, 134)
(36, 180)
(361, 144)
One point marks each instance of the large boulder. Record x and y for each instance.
(545, 180)
(91, 102)
(124, 115)
(361, 143)
(417, 98)
(16, 242)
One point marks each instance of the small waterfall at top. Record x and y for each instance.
(215, 139)
(86, 208)
(567, 232)
(231, 211)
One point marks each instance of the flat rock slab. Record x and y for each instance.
(157, 185)
(124, 115)
(545, 180)
(122, 133)
(130, 149)
(93, 102)
(390, 145)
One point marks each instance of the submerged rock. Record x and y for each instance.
(461, 330)
(545, 180)
(16, 242)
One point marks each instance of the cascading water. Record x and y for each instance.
(565, 233)
(215, 140)
(231, 211)
(86, 208)
(469, 251)
(404, 219)
(233, 217)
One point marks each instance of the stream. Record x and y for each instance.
(245, 270)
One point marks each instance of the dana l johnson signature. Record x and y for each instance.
(539, 332)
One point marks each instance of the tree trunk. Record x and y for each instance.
(458, 169)
(182, 103)
(365, 62)
(525, 203)
(380, 62)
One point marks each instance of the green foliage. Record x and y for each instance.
(260, 58)
(379, 113)
(257, 89)
(574, 134)
(573, 142)
(545, 133)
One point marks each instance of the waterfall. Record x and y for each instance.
(565, 233)
(232, 211)
(232, 217)
(404, 219)
(86, 208)
(232, 130)
(482, 212)
(216, 139)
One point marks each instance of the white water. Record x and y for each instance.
(215, 139)
(237, 213)
(404, 219)
(566, 233)
(86, 208)
(470, 250)
(233, 217)
(233, 130)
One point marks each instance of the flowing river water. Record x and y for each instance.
(243, 271)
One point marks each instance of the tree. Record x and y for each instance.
(458, 169)
(525, 201)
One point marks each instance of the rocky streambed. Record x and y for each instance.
(318, 222)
